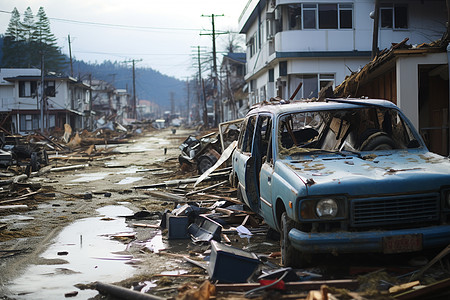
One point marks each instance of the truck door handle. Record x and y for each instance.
(269, 179)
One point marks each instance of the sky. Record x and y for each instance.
(164, 34)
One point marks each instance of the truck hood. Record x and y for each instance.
(394, 172)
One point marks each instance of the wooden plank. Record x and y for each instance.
(303, 285)
(13, 207)
(403, 287)
(21, 198)
(440, 286)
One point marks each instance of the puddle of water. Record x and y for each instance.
(130, 170)
(129, 180)
(174, 273)
(90, 177)
(15, 218)
(91, 256)
(156, 244)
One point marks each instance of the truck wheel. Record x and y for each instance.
(205, 162)
(289, 255)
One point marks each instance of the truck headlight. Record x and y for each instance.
(326, 208)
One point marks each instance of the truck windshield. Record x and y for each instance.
(351, 130)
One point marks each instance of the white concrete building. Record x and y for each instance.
(21, 100)
(319, 43)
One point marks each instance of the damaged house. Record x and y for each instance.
(66, 100)
(234, 98)
(415, 78)
(318, 43)
(109, 103)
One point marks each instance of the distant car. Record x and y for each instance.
(342, 176)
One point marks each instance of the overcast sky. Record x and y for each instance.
(161, 33)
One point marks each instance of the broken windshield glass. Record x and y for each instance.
(351, 130)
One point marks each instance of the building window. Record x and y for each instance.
(328, 16)
(346, 16)
(394, 16)
(252, 45)
(50, 89)
(282, 68)
(29, 122)
(271, 75)
(27, 88)
(309, 16)
(295, 17)
(322, 16)
(311, 84)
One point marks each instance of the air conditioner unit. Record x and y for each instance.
(277, 13)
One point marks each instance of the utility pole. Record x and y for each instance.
(42, 93)
(202, 86)
(90, 121)
(133, 112)
(213, 34)
(188, 102)
(70, 56)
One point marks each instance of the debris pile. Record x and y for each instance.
(205, 151)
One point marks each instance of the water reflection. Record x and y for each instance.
(91, 256)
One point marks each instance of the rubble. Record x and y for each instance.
(226, 249)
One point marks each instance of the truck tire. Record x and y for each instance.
(290, 257)
(205, 162)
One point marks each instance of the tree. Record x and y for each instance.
(45, 42)
(12, 49)
(28, 26)
(14, 26)
(26, 42)
(234, 43)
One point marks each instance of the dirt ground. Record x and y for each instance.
(75, 232)
(152, 158)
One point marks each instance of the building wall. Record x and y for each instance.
(325, 51)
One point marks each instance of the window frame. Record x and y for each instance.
(391, 10)
(321, 79)
(27, 89)
(306, 8)
(50, 88)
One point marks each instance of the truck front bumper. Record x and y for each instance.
(367, 241)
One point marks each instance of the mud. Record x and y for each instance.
(89, 234)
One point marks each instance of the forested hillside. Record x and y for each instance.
(150, 84)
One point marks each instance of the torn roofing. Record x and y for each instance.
(350, 85)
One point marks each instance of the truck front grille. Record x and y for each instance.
(394, 210)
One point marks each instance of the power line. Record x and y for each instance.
(120, 26)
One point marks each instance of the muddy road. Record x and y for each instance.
(76, 232)
(84, 227)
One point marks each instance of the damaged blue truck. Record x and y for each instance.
(342, 176)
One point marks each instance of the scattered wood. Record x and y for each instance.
(167, 196)
(178, 182)
(67, 168)
(230, 199)
(403, 287)
(145, 225)
(123, 293)
(292, 286)
(428, 292)
(432, 262)
(13, 207)
(179, 275)
(21, 198)
(207, 188)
